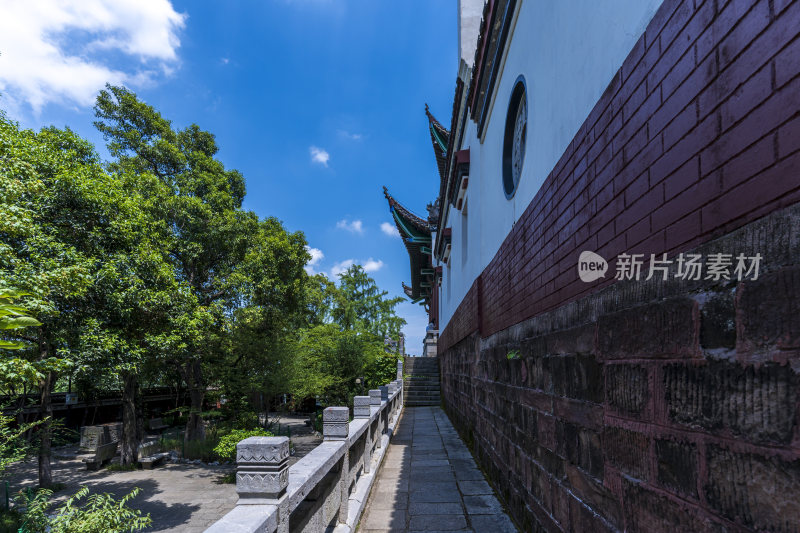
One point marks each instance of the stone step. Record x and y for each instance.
(422, 397)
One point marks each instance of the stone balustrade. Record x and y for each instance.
(328, 488)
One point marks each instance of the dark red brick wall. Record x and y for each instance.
(696, 135)
(660, 405)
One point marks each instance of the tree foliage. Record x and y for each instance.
(345, 338)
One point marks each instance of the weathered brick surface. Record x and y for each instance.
(758, 403)
(627, 388)
(655, 405)
(768, 312)
(666, 329)
(629, 451)
(758, 492)
(649, 511)
(677, 466)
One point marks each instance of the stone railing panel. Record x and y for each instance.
(328, 486)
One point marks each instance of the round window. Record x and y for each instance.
(515, 135)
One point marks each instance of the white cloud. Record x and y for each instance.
(56, 51)
(389, 229)
(353, 226)
(372, 265)
(340, 267)
(369, 266)
(316, 257)
(350, 136)
(318, 155)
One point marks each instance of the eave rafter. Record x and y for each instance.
(417, 237)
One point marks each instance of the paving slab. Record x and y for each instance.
(431, 483)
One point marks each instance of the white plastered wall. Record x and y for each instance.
(568, 51)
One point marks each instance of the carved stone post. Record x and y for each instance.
(385, 414)
(262, 469)
(399, 369)
(336, 426)
(361, 409)
(392, 389)
(375, 406)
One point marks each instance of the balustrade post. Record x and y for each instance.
(385, 414)
(336, 426)
(399, 369)
(375, 407)
(392, 388)
(361, 409)
(262, 474)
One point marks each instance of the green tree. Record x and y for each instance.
(361, 305)
(54, 200)
(345, 338)
(243, 277)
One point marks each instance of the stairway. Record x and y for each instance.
(421, 381)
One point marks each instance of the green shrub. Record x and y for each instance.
(119, 467)
(101, 513)
(10, 521)
(201, 449)
(226, 448)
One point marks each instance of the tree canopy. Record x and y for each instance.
(147, 270)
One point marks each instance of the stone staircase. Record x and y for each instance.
(421, 381)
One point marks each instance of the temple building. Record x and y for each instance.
(594, 150)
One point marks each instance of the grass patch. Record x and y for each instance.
(228, 478)
(10, 521)
(121, 467)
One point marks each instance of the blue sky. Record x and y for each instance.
(319, 103)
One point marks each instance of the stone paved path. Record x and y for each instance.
(429, 482)
(178, 497)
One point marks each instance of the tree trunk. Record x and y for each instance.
(195, 430)
(131, 426)
(45, 414)
(45, 432)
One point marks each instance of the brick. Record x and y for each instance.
(665, 329)
(679, 126)
(580, 447)
(684, 177)
(732, 46)
(746, 96)
(787, 63)
(730, 13)
(756, 125)
(628, 450)
(761, 190)
(641, 208)
(768, 312)
(718, 322)
(688, 146)
(756, 403)
(677, 466)
(681, 232)
(789, 138)
(583, 518)
(690, 200)
(594, 495)
(647, 511)
(749, 163)
(627, 388)
(750, 489)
